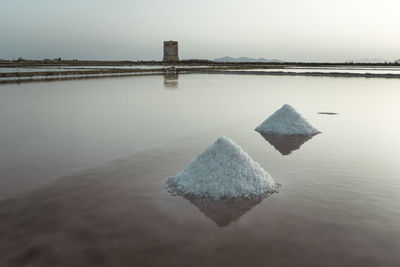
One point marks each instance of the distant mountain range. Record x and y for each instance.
(397, 61)
(368, 60)
(245, 59)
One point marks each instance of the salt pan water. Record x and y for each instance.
(83, 166)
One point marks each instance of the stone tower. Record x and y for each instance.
(171, 51)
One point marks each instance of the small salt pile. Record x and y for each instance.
(223, 171)
(286, 121)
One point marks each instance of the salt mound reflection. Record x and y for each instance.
(224, 213)
(287, 144)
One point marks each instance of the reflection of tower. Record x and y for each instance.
(171, 80)
(170, 51)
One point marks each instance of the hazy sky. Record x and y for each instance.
(293, 30)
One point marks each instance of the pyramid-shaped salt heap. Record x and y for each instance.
(223, 171)
(286, 121)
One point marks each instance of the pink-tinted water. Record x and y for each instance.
(83, 167)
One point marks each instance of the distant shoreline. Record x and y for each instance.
(310, 74)
(181, 67)
(190, 62)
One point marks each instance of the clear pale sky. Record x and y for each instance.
(302, 30)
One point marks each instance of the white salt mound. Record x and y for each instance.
(286, 121)
(223, 171)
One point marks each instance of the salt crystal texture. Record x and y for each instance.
(286, 121)
(223, 171)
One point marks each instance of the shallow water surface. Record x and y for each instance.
(83, 166)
